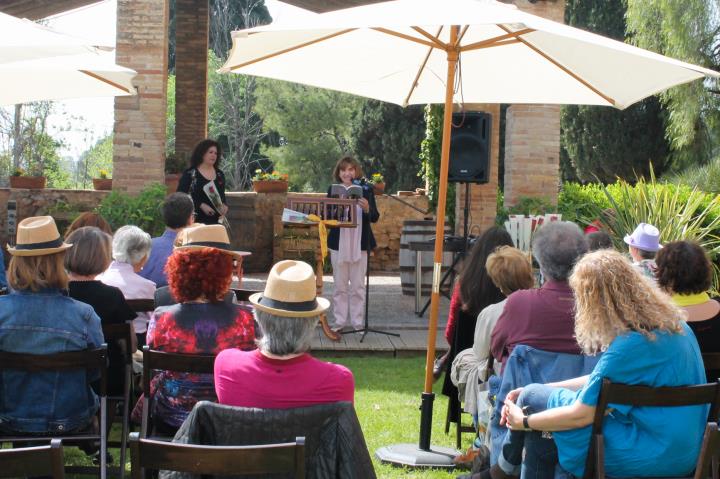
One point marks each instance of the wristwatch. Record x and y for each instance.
(525, 422)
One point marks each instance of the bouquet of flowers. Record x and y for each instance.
(212, 193)
(260, 175)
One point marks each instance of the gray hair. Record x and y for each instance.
(285, 335)
(130, 245)
(557, 246)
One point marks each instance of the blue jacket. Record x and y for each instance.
(3, 279)
(162, 248)
(46, 322)
(527, 365)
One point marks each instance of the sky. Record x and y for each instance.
(81, 122)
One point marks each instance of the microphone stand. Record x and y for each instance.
(366, 327)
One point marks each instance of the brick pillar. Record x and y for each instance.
(483, 198)
(192, 23)
(532, 134)
(139, 132)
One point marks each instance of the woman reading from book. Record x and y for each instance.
(210, 203)
(349, 248)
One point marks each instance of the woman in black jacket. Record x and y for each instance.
(349, 248)
(204, 168)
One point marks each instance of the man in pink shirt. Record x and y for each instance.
(281, 374)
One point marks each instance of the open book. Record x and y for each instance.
(342, 191)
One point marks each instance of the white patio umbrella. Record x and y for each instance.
(474, 51)
(67, 76)
(21, 39)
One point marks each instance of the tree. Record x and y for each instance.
(688, 30)
(313, 125)
(604, 142)
(386, 138)
(97, 157)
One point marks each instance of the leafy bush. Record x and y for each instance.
(705, 177)
(579, 203)
(142, 210)
(525, 206)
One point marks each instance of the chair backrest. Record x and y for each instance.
(141, 305)
(120, 333)
(90, 359)
(711, 361)
(176, 362)
(286, 458)
(244, 294)
(613, 393)
(33, 461)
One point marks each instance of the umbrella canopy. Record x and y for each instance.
(393, 52)
(455, 51)
(21, 39)
(68, 76)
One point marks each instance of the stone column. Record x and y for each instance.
(139, 132)
(532, 134)
(192, 23)
(483, 197)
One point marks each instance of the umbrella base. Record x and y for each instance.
(410, 455)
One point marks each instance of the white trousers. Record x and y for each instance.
(349, 294)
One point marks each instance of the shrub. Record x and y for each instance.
(142, 210)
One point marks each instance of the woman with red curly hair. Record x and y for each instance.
(199, 274)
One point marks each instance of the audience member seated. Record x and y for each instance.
(473, 292)
(598, 240)
(130, 249)
(543, 318)
(38, 318)
(643, 245)
(684, 270)
(281, 374)
(199, 277)
(90, 256)
(89, 219)
(510, 270)
(178, 213)
(645, 342)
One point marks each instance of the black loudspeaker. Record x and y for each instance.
(470, 148)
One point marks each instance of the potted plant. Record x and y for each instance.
(103, 183)
(174, 166)
(378, 182)
(19, 179)
(273, 182)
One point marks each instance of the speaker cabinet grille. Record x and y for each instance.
(470, 148)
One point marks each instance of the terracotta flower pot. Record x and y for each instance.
(27, 182)
(273, 186)
(379, 188)
(171, 182)
(102, 184)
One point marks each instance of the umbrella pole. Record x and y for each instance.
(424, 455)
(428, 396)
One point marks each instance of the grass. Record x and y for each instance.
(387, 401)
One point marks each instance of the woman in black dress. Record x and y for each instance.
(89, 257)
(204, 168)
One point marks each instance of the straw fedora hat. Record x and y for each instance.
(290, 292)
(38, 236)
(208, 236)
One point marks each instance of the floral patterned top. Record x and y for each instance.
(194, 328)
(647, 267)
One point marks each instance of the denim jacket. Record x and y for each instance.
(46, 322)
(527, 365)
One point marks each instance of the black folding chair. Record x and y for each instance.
(612, 393)
(158, 360)
(91, 361)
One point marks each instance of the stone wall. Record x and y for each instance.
(254, 218)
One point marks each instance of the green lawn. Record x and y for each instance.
(387, 400)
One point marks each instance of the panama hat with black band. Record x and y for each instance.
(208, 236)
(290, 291)
(38, 236)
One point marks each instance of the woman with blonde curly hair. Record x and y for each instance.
(644, 341)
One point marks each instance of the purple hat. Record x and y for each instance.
(645, 237)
